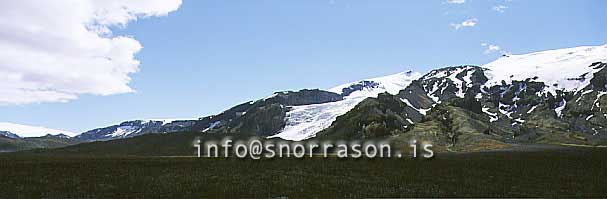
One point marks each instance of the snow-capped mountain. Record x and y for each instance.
(30, 131)
(303, 122)
(562, 69)
(135, 128)
(558, 71)
(555, 97)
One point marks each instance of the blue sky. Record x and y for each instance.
(210, 55)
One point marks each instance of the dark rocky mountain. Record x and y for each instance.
(263, 117)
(9, 134)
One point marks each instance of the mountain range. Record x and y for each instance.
(550, 97)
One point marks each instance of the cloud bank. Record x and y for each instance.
(56, 50)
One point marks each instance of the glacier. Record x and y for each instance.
(303, 122)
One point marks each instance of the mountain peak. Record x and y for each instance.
(565, 69)
(390, 83)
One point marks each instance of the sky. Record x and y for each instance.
(80, 65)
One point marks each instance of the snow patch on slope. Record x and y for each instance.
(31, 131)
(419, 110)
(493, 116)
(124, 131)
(559, 109)
(211, 126)
(303, 122)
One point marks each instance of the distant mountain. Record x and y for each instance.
(136, 128)
(30, 131)
(9, 134)
(17, 137)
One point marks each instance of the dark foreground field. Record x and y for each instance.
(579, 172)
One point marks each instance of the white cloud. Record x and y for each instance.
(456, 1)
(500, 8)
(54, 51)
(468, 23)
(490, 48)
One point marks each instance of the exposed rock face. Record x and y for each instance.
(586, 111)
(304, 97)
